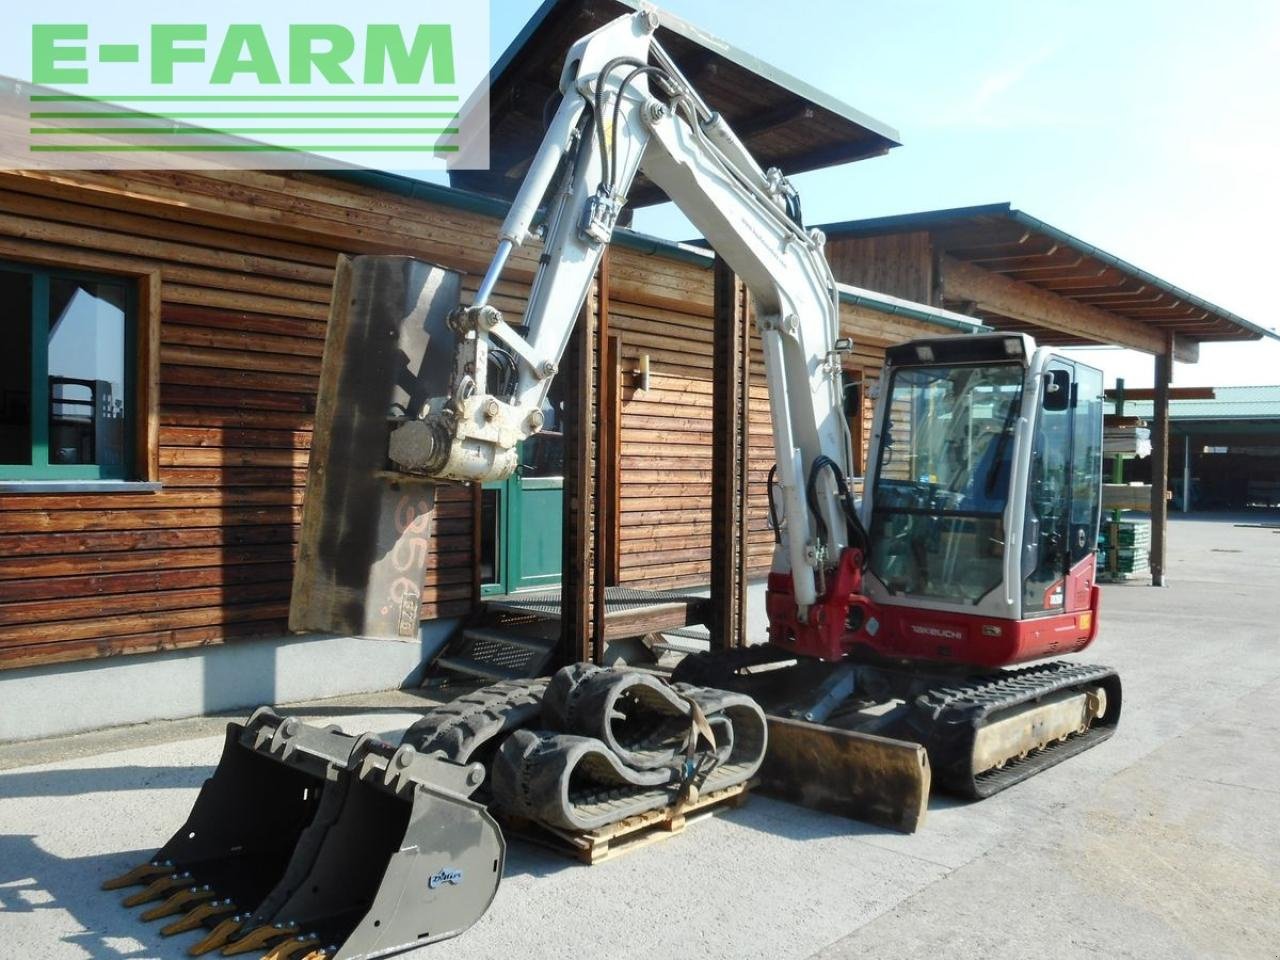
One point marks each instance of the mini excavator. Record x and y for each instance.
(973, 547)
(910, 633)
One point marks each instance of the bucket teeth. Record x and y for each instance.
(219, 935)
(179, 902)
(198, 915)
(157, 889)
(259, 938)
(142, 873)
(324, 954)
(291, 949)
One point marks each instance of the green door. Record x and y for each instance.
(522, 518)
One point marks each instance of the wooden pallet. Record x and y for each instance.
(605, 843)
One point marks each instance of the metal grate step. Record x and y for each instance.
(497, 651)
(474, 668)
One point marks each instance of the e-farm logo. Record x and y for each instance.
(386, 89)
(316, 51)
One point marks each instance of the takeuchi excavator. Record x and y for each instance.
(904, 627)
(973, 546)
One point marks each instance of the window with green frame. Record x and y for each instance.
(67, 374)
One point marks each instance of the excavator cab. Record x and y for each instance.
(983, 500)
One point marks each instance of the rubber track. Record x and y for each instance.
(491, 725)
(949, 717)
(465, 726)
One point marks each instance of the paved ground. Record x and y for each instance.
(1162, 843)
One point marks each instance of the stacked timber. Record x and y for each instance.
(1125, 436)
(1124, 550)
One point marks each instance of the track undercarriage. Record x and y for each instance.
(982, 731)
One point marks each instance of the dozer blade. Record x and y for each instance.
(324, 844)
(850, 774)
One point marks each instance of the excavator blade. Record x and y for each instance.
(310, 842)
(850, 774)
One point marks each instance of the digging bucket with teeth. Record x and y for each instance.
(310, 844)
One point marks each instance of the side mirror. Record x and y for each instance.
(1057, 390)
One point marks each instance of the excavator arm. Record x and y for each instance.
(625, 109)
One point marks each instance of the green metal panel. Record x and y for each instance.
(535, 538)
(530, 521)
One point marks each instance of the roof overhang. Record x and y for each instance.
(783, 121)
(1019, 248)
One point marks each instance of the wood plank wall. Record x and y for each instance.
(898, 264)
(246, 261)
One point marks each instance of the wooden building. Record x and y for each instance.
(225, 279)
(153, 475)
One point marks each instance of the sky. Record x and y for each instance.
(1146, 128)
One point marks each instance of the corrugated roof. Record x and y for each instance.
(1230, 403)
(783, 121)
(998, 238)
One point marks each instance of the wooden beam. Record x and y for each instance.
(610, 455)
(604, 417)
(576, 539)
(1175, 393)
(998, 294)
(1160, 467)
(146, 450)
(728, 460)
(771, 120)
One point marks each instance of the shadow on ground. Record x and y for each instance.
(87, 781)
(33, 880)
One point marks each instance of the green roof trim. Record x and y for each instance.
(936, 219)
(896, 306)
(1229, 403)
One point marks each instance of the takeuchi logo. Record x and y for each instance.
(939, 633)
(63, 54)
(443, 876)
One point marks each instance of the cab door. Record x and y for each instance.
(1063, 491)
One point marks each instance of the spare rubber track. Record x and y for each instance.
(947, 719)
(464, 727)
(618, 746)
(593, 746)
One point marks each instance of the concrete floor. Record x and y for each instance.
(1163, 842)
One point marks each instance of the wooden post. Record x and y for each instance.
(730, 357)
(603, 422)
(1160, 465)
(576, 543)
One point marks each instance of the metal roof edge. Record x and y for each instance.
(1145, 276)
(899, 222)
(503, 63)
(745, 60)
(896, 306)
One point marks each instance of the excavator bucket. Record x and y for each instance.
(310, 844)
